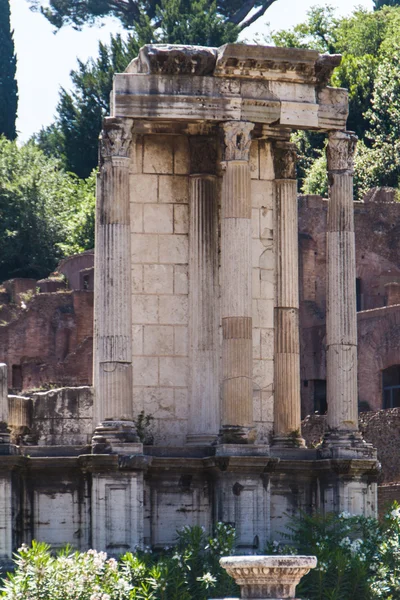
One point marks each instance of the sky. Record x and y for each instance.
(45, 59)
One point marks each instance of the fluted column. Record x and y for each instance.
(236, 291)
(204, 315)
(341, 320)
(287, 418)
(113, 313)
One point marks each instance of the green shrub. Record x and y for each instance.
(188, 571)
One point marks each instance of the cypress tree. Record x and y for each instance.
(8, 82)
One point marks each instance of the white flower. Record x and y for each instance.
(395, 513)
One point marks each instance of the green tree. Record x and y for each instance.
(45, 213)
(8, 82)
(73, 138)
(241, 13)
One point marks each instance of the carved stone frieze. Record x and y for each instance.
(340, 150)
(115, 138)
(176, 60)
(285, 156)
(237, 140)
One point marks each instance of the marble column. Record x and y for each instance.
(236, 290)
(287, 417)
(203, 423)
(341, 319)
(113, 313)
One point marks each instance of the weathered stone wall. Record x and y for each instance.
(380, 428)
(160, 207)
(50, 341)
(377, 264)
(60, 417)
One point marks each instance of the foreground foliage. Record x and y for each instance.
(188, 571)
(358, 558)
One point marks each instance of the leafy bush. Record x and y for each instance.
(358, 557)
(188, 571)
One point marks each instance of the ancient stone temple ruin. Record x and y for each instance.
(196, 316)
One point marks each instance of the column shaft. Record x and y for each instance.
(341, 322)
(204, 313)
(236, 290)
(113, 315)
(287, 416)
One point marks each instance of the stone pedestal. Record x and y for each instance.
(236, 286)
(113, 298)
(268, 577)
(287, 417)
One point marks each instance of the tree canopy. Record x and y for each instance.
(8, 82)
(369, 44)
(240, 13)
(73, 137)
(45, 213)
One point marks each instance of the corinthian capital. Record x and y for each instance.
(237, 139)
(115, 138)
(340, 150)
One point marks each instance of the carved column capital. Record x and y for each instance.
(285, 157)
(340, 150)
(115, 138)
(236, 140)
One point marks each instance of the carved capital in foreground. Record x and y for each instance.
(285, 156)
(268, 576)
(115, 138)
(340, 150)
(237, 139)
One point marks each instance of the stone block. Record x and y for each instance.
(158, 154)
(266, 223)
(181, 218)
(137, 340)
(266, 161)
(159, 402)
(258, 248)
(181, 341)
(158, 218)
(181, 155)
(173, 310)
(158, 340)
(263, 313)
(174, 189)
(181, 397)
(263, 374)
(137, 279)
(144, 309)
(174, 249)
(144, 248)
(158, 279)
(174, 371)
(254, 160)
(256, 283)
(267, 343)
(143, 188)
(145, 370)
(262, 194)
(267, 283)
(267, 405)
(256, 337)
(267, 258)
(136, 165)
(255, 223)
(181, 283)
(171, 432)
(136, 217)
